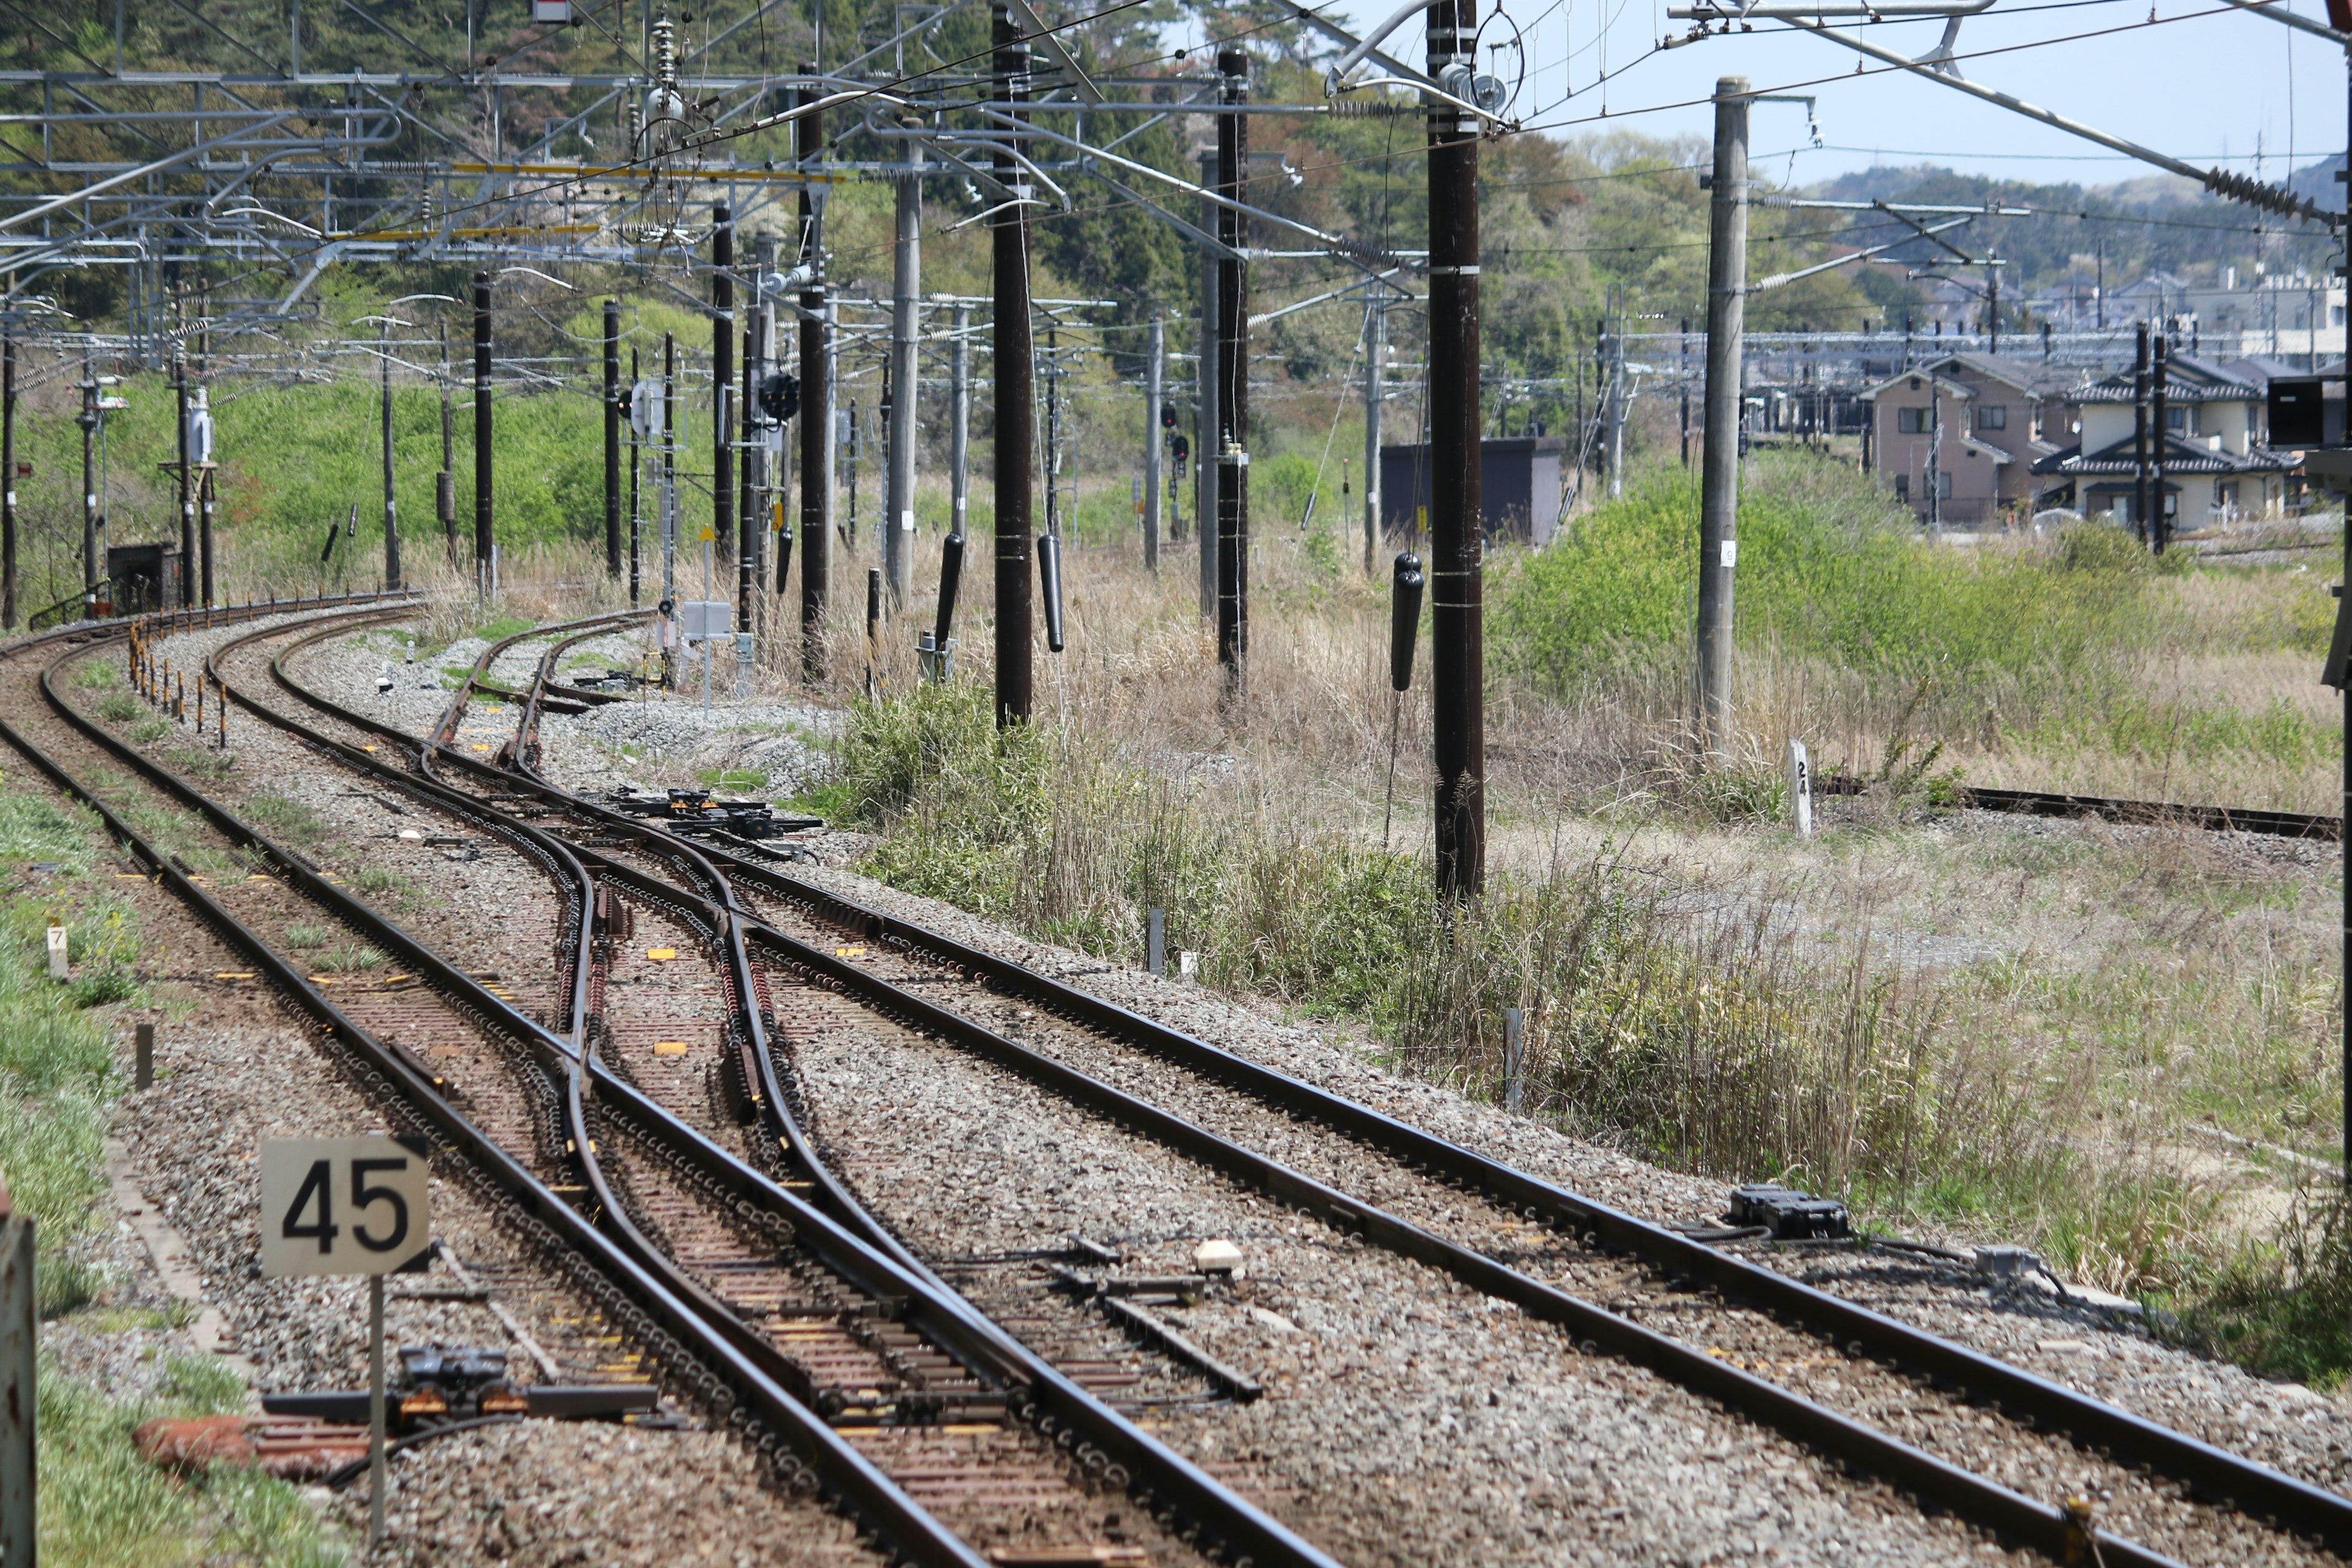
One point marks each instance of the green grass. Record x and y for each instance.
(119, 708)
(287, 821)
(102, 1505)
(302, 936)
(148, 730)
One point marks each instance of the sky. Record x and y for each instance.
(2207, 83)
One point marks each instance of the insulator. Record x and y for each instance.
(2260, 194)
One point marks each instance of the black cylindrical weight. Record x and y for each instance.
(951, 575)
(873, 602)
(1404, 623)
(1049, 579)
(784, 556)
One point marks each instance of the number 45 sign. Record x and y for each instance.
(343, 1206)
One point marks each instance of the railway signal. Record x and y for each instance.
(342, 1206)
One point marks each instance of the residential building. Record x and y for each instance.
(1957, 438)
(2219, 467)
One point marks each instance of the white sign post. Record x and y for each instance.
(348, 1206)
(1800, 789)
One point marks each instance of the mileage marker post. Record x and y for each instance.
(348, 1206)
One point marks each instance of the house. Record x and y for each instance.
(2218, 466)
(1958, 438)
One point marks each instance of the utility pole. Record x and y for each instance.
(749, 522)
(1016, 434)
(1992, 301)
(2159, 409)
(390, 520)
(668, 499)
(485, 539)
(905, 323)
(88, 423)
(816, 403)
(1207, 420)
(2140, 438)
(612, 438)
(1051, 462)
(1613, 410)
(1935, 456)
(637, 467)
(1685, 346)
(444, 483)
(960, 425)
(1727, 322)
(1232, 379)
(1154, 372)
(7, 480)
(722, 393)
(1376, 356)
(1456, 528)
(187, 491)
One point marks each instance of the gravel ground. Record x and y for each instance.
(1442, 1398)
(234, 1067)
(2104, 1352)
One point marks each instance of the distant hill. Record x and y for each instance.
(2151, 222)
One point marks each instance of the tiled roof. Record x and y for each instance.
(2180, 457)
(2187, 380)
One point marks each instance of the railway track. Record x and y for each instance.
(736, 903)
(2137, 813)
(1007, 1446)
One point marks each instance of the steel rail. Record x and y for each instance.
(2214, 1474)
(853, 1480)
(1131, 1458)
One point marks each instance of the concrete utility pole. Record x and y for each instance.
(2159, 526)
(906, 328)
(723, 396)
(1456, 531)
(1207, 419)
(1016, 434)
(1376, 357)
(187, 489)
(1727, 320)
(668, 499)
(2139, 437)
(391, 516)
(960, 426)
(484, 535)
(1613, 412)
(1233, 378)
(1935, 456)
(816, 405)
(7, 481)
(1154, 392)
(637, 475)
(612, 438)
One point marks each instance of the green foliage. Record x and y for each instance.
(287, 821)
(2286, 1311)
(1827, 568)
(120, 707)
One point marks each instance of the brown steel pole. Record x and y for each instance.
(485, 537)
(612, 438)
(1232, 452)
(187, 491)
(1456, 542)
(722, 394)
(1016, 436)
(816, 411)
(7, 481)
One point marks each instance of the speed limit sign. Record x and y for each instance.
(343, 1206)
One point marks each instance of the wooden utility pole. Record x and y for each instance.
(2159, 526)
(2140, 438)
(1727, 322)
(1456, 536)
(1016, 434)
